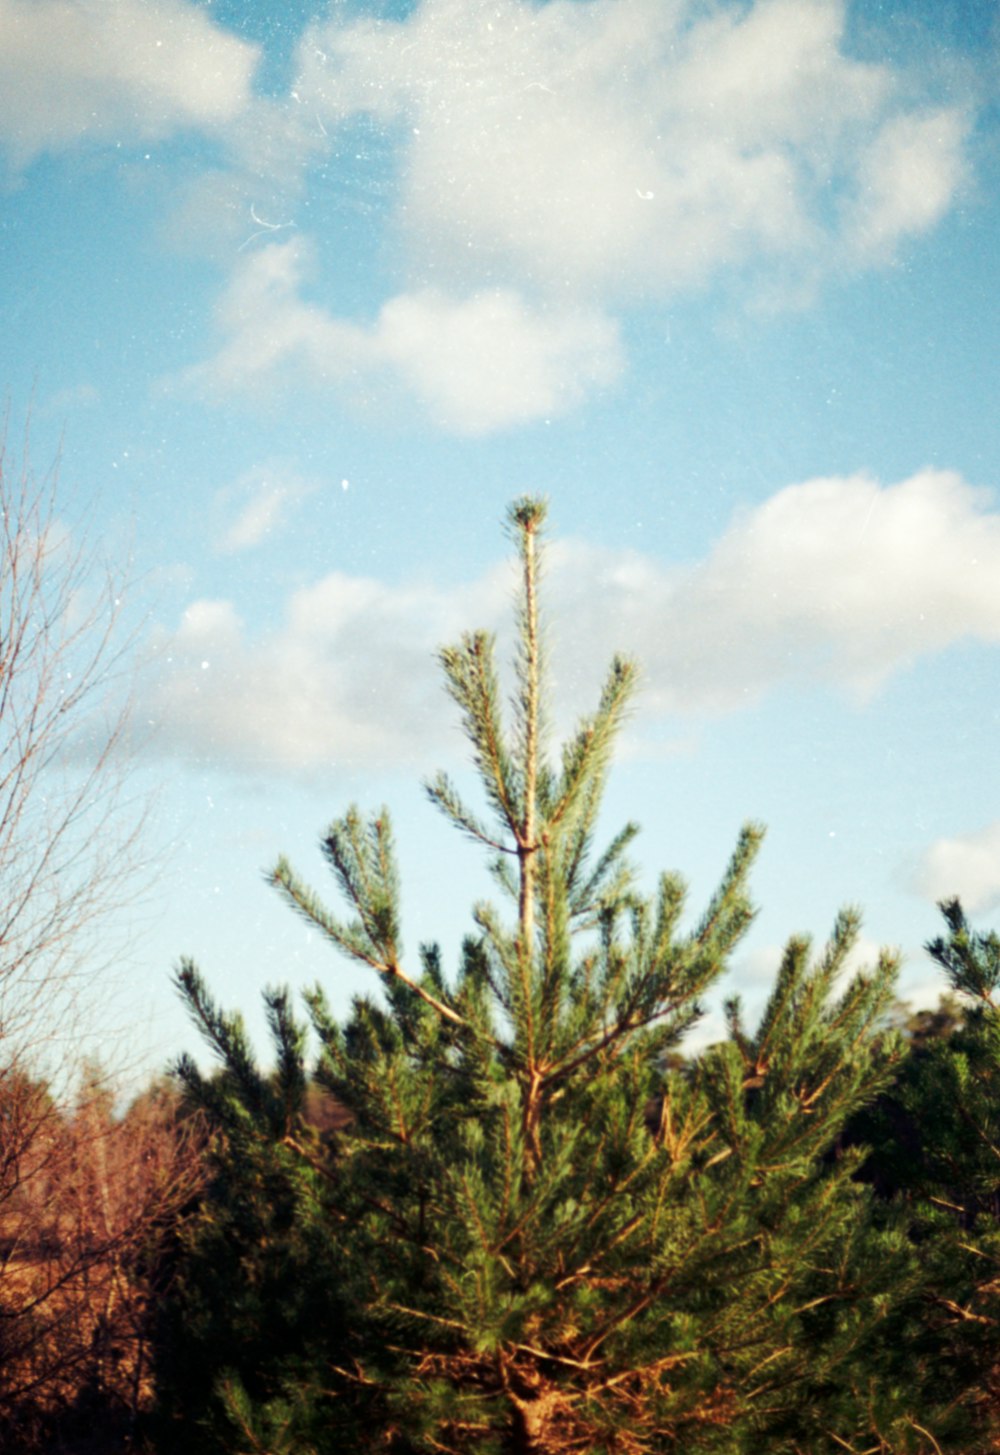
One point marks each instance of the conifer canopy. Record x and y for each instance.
(539, 1228)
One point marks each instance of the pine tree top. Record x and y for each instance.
(567, 1241)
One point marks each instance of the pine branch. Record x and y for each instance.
(363, 862)
(587, 755)
(471, 680)
(584, 899)
(443, 794)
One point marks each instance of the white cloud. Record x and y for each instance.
(347, 679)
(553, 165)
(127, 69)
(632, 147)
(268, 327)
(257, 520)
(257, 506)
(908, 178)
(475, 363)
(841, 580)
(967, 866)
(490, 360)
(838, 580)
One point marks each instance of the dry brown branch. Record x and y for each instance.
(78, 1193)
(69, 832)
(81, 1240)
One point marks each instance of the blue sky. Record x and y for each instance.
(305, 294)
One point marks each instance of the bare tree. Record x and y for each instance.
(68, 837)
(83, 1227)
(80, 1189)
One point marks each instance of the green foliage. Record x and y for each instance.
(934, 1156)
(540, 1231)
(258, 1289)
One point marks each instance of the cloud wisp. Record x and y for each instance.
(839, 581)
(257, 506)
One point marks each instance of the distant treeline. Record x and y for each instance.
(170, 1288)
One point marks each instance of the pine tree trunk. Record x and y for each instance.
(532, 1424)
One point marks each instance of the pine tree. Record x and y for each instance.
(933, 1142)
(543, 1231)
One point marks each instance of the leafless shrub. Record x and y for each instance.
(82, 1191)
(69, 834)
(81, 1237)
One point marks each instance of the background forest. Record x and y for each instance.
(500, 1208)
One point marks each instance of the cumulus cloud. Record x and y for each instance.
(554, 165)
(636, 148)
(347, 679)
(476, 363)
(842, 581)
(908, 178)
(70, 72)
(489, 360)
(967, 866)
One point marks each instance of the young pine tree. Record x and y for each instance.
(934, 1151)
(541, 1231)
